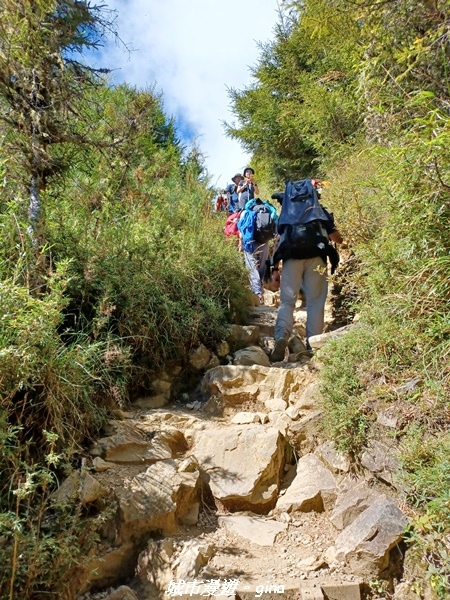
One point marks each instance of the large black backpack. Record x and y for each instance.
(306, 240)
(303, 234)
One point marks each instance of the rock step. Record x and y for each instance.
(282, 516)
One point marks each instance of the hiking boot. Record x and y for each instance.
(279, 350)
(309, 350)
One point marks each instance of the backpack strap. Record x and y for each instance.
(273, 210)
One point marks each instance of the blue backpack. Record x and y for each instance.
(258, 224)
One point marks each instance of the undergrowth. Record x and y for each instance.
(397, 355)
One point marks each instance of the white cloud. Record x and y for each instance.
(193, 50)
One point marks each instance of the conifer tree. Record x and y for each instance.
(43, 85)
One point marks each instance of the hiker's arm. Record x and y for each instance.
(335, 236)
(256, 189)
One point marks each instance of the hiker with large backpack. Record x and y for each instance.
(306, 230)
(257, 226)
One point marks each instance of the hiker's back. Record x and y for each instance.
(301, 222)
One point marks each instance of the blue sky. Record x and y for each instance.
(192, 51)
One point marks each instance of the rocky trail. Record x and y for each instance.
(234, 490)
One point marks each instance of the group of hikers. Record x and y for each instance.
(304, 236)
(236, 194)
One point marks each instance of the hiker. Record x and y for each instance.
(230, 229)
(221, 202)
(231, 191)
(257, 226)
(247, 189)
(306, 229)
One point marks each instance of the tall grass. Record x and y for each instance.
(392, 206)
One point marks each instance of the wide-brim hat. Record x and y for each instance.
(237, 175)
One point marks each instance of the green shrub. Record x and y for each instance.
(426, 474)
(156, 269)
(42, 541)
(343, 383)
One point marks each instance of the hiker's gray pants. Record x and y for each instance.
(256, 265)
(310, 274)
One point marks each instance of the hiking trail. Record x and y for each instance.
(234, 490)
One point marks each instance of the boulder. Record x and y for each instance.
(191, 517)
(213, 363)
(379, 459)
(161, 386)
(293, 412)
(275, 404)
(243, 464)
(311, 591)
(318, 341)
(122, 593)
(246, 418)
(388, 418)
(296, 345)
(366, 543)
(280, 420)
(299, 328)
(303, 431)
(253, 355)
(157, 499)
(356, 499)
(333, 458)
(222, 349)
(99, 465)
(313, 488)
(310, 397)
(194, 555)
(266, 331)
(154, 566)
(313, 562)
(199, 357)
(81, 485)
(139, 444)
(242, 336)
(105, 569)
(340, 591)
(238, 384)
(299, 359)
(257, 530)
